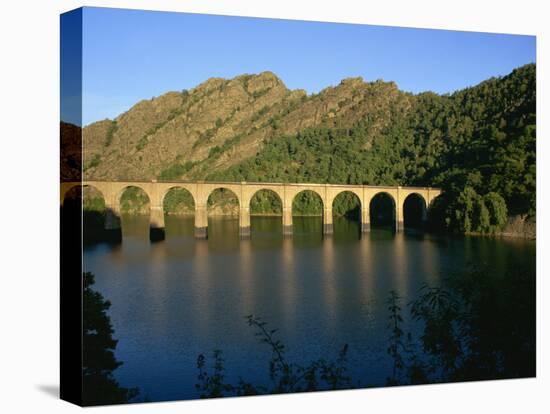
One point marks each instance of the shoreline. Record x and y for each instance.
(504, 235)
(500, 234)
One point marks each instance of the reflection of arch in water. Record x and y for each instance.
(414, 211)
(347, 204)
(134, 199)
(266, 202)
(309, 203)
(178, 208)
(223, 202)
(382, 210)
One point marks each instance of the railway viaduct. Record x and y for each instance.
(244, 191)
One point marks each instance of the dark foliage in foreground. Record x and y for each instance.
(480, 326)
(99, 362)
(286, 376)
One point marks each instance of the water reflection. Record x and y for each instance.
(223, 233)
(401, 265)
(346, 229)
(288, 279)
(246, 276)
(200, 283)
(178, 298)
(330, 289)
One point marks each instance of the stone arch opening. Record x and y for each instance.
(266, 202)
(178, 201)
(414, 211)
(223, 215)
(347, 204)
(222, 202)
(134, 200)
(346, 212)
(266, 211)
(307, 203)
(135, 212)
(382, 211)
(92, 199)
(307, 212)
(178, 210)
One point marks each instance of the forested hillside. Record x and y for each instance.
(478, 144)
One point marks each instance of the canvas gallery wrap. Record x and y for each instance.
(264, 206)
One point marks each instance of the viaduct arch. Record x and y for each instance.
(244, 191)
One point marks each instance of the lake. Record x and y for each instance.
(176, 299)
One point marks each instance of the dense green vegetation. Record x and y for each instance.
(94, 162)
(470, 212)
(307, 203)
(223, 202)
(110, 133)
(175, 170)
(179, 201)
(478, 144)
(266, 202)
(469, 330)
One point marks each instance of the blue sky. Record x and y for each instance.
(133, 55)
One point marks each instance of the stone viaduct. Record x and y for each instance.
(200, 191)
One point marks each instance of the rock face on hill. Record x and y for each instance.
(185, 135)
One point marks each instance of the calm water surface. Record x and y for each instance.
(176, 299)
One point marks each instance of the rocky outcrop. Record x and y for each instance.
(187, 134)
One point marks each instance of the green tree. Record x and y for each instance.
(99, 362)
(498, 213)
